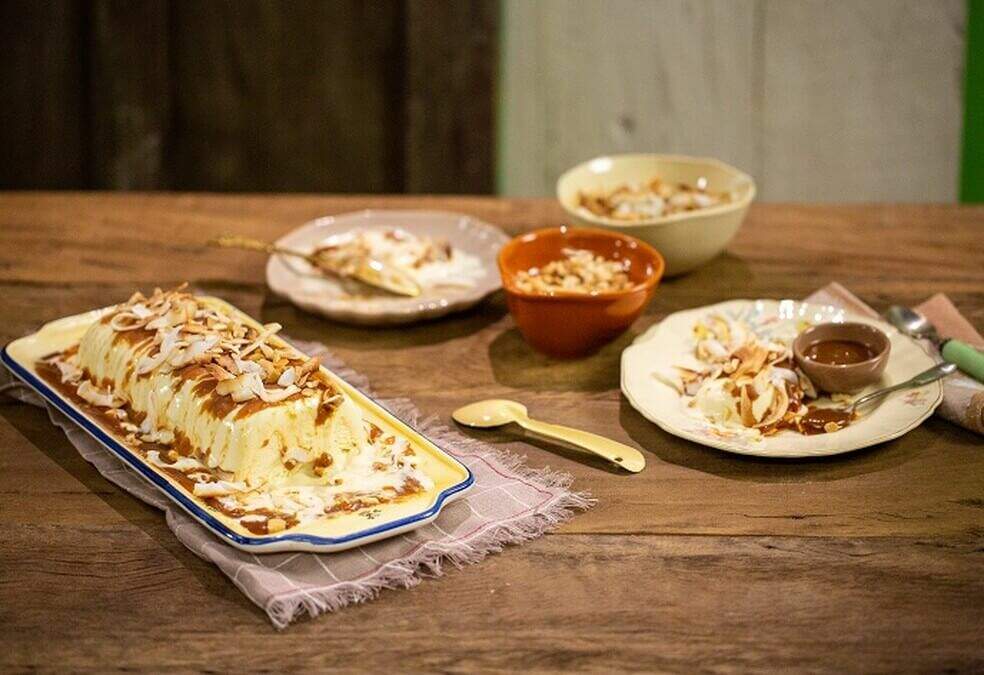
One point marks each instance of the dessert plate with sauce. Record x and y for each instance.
(672, 342)
(440, 477)
(451, 256)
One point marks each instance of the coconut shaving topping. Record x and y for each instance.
(239, 356)
(247, 366)
(743, 382)
(431, 262)
(651, 200)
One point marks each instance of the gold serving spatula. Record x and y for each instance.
(368, 270)
(496, 412)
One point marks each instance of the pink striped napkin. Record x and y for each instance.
(508, 504)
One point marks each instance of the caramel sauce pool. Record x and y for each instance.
(816, 421)
(839, 352)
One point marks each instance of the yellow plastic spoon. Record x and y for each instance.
(496, 412)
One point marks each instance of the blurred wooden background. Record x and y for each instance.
(253, 95)
(820, 100)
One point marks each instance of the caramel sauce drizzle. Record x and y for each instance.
(220, 407)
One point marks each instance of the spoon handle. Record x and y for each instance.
(967, 358)
(369, 271)
(250, 244)
(940, 370)
(626, 457)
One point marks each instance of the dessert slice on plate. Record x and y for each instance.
(255, 438)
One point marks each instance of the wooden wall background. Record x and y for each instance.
(306, 95)
(820, 100)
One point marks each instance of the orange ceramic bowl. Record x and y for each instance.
(566, 324)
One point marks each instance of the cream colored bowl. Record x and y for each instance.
(686, 240)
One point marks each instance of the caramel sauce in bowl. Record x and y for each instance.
(842, 357)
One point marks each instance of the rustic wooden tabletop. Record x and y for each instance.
(872, 561)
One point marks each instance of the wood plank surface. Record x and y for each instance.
(294, 96)
(451, 53)
(42, 127)
(869, 562)
(130, 95)
(249, 95)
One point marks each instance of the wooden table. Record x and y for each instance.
(867, 562)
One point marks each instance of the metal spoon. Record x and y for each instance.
(369, 271)
(913, 324)
(496, 412)
(939, 371)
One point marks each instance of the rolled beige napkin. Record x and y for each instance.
(963, 397)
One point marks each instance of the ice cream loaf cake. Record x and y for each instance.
(238, 416)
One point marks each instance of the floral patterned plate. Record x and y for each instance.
(665, 344)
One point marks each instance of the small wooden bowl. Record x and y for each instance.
(566, 324)
(848, 378)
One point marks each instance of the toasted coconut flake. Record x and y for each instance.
(277, 395)
(248, 367)
(195, 328)
(218, 372)
(777, 410)
(309, 367)
(745, 407)
(226, 362)
(194, 352)
(141, 311)
(169, 343)
(124, 321)
(96, 396)
(287, 377)
(69, 372)
(241, 388)
(270, 374)
(806, 384)
(268, 330)
(752, 358)
(159, 323)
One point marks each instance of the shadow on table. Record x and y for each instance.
(512, 433)
(306, 326)
(33, 423)
(517, 365)
(699, 457)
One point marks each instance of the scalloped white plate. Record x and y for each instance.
(315, 293)
(666, 343)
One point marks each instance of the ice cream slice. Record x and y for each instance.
(256, 441)
(241, 418)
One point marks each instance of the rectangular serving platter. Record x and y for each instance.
(451, 478)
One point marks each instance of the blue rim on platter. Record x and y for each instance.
(202, 515)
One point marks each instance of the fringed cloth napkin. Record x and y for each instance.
(508, 504)
(963, 397)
